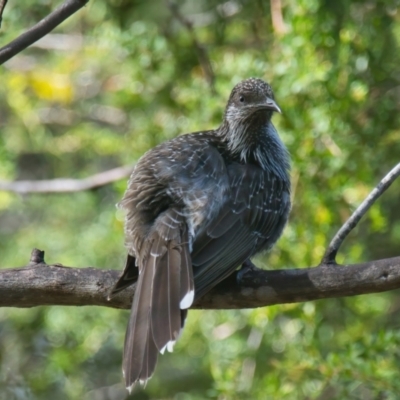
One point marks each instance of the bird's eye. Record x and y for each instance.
(241, 99)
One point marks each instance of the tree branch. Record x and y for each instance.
(350, 224)
(277, 17)
(39, 284)
(200, 49)
(3, 4)
(64, 185)
(42, 28)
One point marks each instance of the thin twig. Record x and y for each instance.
(41, 29)
(200, 49)
(2, 7)
(384, 184)
(66, 185)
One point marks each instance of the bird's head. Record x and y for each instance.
(247, 122)
(251, 100)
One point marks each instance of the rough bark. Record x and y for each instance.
(40, 284)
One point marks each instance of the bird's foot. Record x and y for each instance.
(247, 267)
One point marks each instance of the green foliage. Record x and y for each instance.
(124, 76)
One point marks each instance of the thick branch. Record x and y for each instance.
(41, 284)
(64, 185)
(41, 29)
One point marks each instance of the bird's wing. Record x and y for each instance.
(251, 219)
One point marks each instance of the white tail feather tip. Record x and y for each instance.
(170, 346)
(163, 349)
(143, 382)
(187, 300)
(130, 388)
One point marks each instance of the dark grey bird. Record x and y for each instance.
(198, 207)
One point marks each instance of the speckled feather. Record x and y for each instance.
(197, 207)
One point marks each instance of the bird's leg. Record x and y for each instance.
(246, 267)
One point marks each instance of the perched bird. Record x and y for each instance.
(198, 207)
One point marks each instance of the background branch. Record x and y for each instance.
(64, 185)
(202, 54)
(3, 4)
(42, 28)
(350, 224)
(277, 17)
(40, 284)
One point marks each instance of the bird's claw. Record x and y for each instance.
(247, 267)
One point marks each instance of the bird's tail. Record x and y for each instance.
(165, 289)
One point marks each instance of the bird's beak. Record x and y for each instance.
(271, 105)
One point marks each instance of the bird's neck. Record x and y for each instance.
(257, 144)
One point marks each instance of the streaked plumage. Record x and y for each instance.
(199, 206)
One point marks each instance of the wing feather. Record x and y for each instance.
(251, 219)
(165, 316)
(186, 278)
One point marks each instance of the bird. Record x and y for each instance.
(198, 207)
